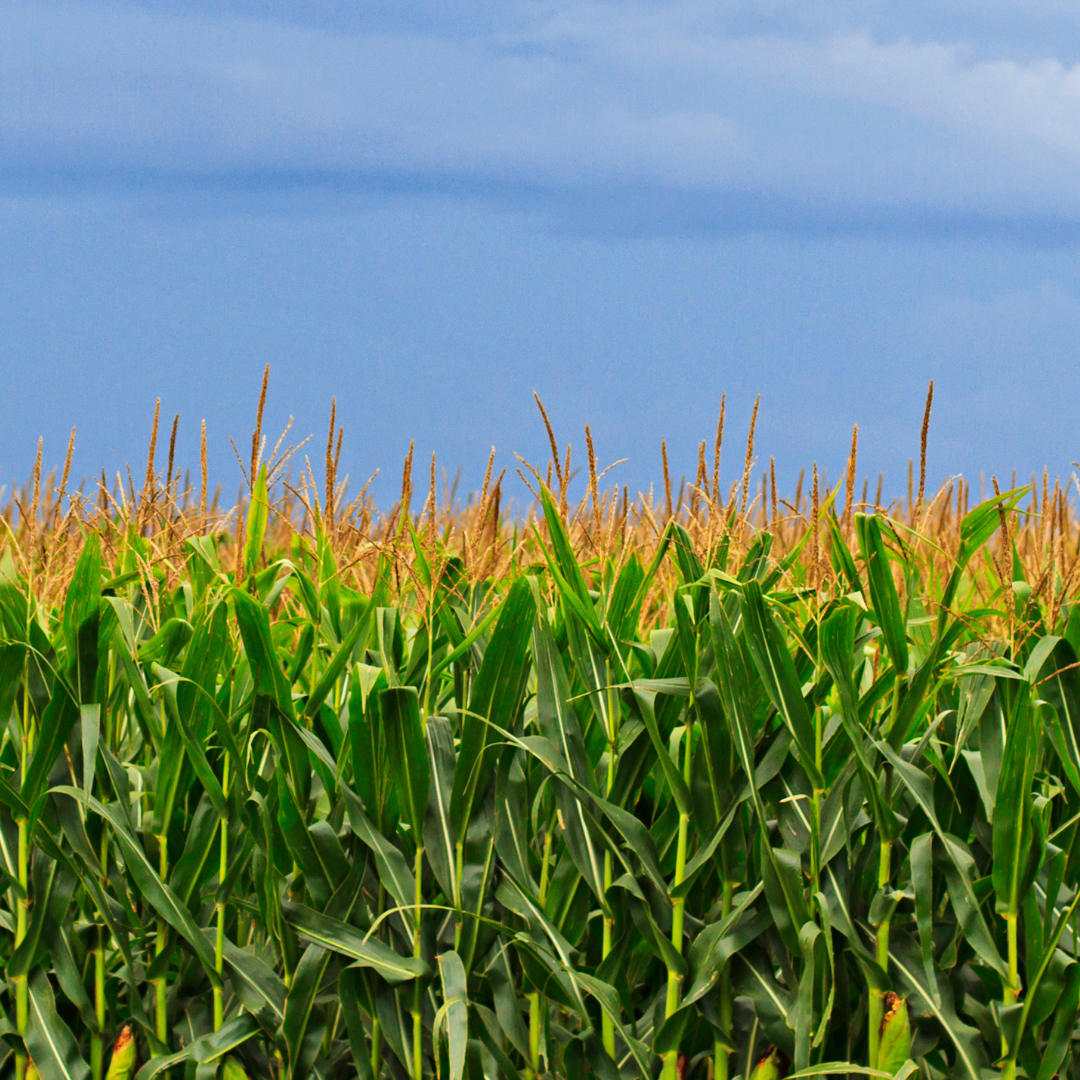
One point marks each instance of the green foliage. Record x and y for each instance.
(708, 818)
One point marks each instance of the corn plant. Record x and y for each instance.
(707, 795)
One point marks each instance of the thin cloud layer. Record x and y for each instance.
(696, 117)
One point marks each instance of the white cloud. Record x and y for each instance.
(579, 95)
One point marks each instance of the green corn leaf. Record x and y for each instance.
(206, 1050)
(512, 830)
(407, 753)
(1060, 1037)
(15, 608)
(272, 707)
(203, 657)
(389, 636)
(971, 1056)
(782, 878)
(657, 939)
(257, 985)
(719, 758)
(922, 880)
(590, 663)
(1050, 989)
(809, 996)
(976, 527)
(81, 605)
(500, 979)
(689, 564)
(512, 897)
(392, 1012)
(564, 565)
(351, 991)
(319, 876)
(440, 837)
(840, 1068)
(53, 887)
(145, 712)
(703, 857)
(90, 724)
(466, 645)
(48, 1038)
(719, 942)
(394, 872)
(773, 1002)
(837, 643)
(491, 1036)
(329, 581)
(883, 593)
(164, 901)
(1058, 683)
(69, 978)
(13, 657)
(338, 663)
(958, 864)
(645, 699)
(456, 1006)
(194, 866)
(607, 998)
(192, 746)
(367, 736)
(166, 644)
(1013, 829)
(559, 724)
(493, 700)
(57, 723)
(231, 1069)
(302, 1028)
(733, 679)
(777, 671)
(842, 561)
(257, 518)
(624, 600)
(339, 937)
(254, 623)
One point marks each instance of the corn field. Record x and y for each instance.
(704, 786)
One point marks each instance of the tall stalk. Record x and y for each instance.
(876, 1008)
(21, 990)
(161, 941)
(97, 1038)
(219, 944)
(720, 1051)
(536, 1019)
(22, 1002)
(815, 811)
(876, 1002)
(608, 1025)
(417, 1009)
(1011, 991)
(97, 1041)
(376, 1027)
(678, 915)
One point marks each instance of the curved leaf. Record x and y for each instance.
(340, 937)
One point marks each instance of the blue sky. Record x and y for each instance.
(429, 209)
